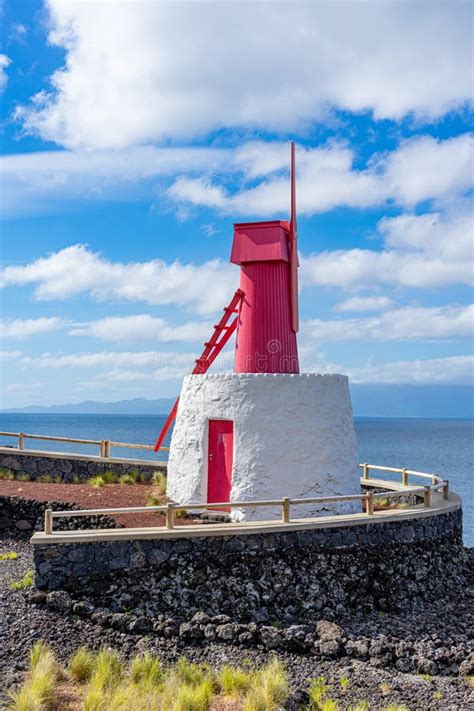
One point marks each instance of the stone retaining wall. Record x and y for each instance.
(70, 468)
(20, 517)
(266, 576)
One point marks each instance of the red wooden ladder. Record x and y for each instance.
(222, 332)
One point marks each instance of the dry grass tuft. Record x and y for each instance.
(37, 693)
(101, 682)
(81, 665)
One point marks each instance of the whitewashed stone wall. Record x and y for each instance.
(293, 436)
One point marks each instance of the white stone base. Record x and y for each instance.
(293, 436)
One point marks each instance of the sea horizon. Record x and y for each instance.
(441, 445)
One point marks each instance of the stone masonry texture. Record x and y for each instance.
(68, 470)
(269, 574)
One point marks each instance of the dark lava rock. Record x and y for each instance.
(329, 630)
(358, 648)
(271, 637)
(226, 631)
(59, 600)
(466, 668)
(140, 625)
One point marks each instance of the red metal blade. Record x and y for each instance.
(166, 426)
(222, 333)
(294, 263)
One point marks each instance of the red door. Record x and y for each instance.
(221, 445)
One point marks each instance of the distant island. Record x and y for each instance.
(426, 401)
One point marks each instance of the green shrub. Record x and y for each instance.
(159, 480)
(97, 481)
(9, 556)
(110, 477)
(46, 479)
(329, 705)
(317, 691)
(82, 664)
(6, 474)
(344, 682)
(385, 688)
(25, 582)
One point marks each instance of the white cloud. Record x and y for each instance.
(452, 370)
(203, 288)
(425, 168)
(32, 182)
(364, 303)
(422, 168)
(10, 355)
(142, 327)
(109, 359)
(408, 323)
(4, 63)
(18, 32)
(22, 387)
(22, 328)
(156, 77)
(428, 250)
(126, 366)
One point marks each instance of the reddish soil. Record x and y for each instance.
(88, 497)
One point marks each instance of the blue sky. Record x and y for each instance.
(134, 135)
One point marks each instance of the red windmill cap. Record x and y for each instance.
(260, 242)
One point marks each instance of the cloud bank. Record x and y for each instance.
(155, 77)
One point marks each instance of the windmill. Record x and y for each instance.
(265, 430)
(264, 310)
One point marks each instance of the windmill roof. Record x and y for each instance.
(260, 242)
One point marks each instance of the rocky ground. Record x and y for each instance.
(416, 657)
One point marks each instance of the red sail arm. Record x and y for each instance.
(166, 426)
(293, 248)
(222, 333)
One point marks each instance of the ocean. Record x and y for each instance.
(445, 447)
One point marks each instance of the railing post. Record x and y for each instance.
(169, 515)
(21, 440)
(107, 448)
(404, 477)
(102, 448)
(446, 490)
(434, 478)
(285, 509)
(427, 497)
(369, 504)
(366, 471)
(48, 522)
